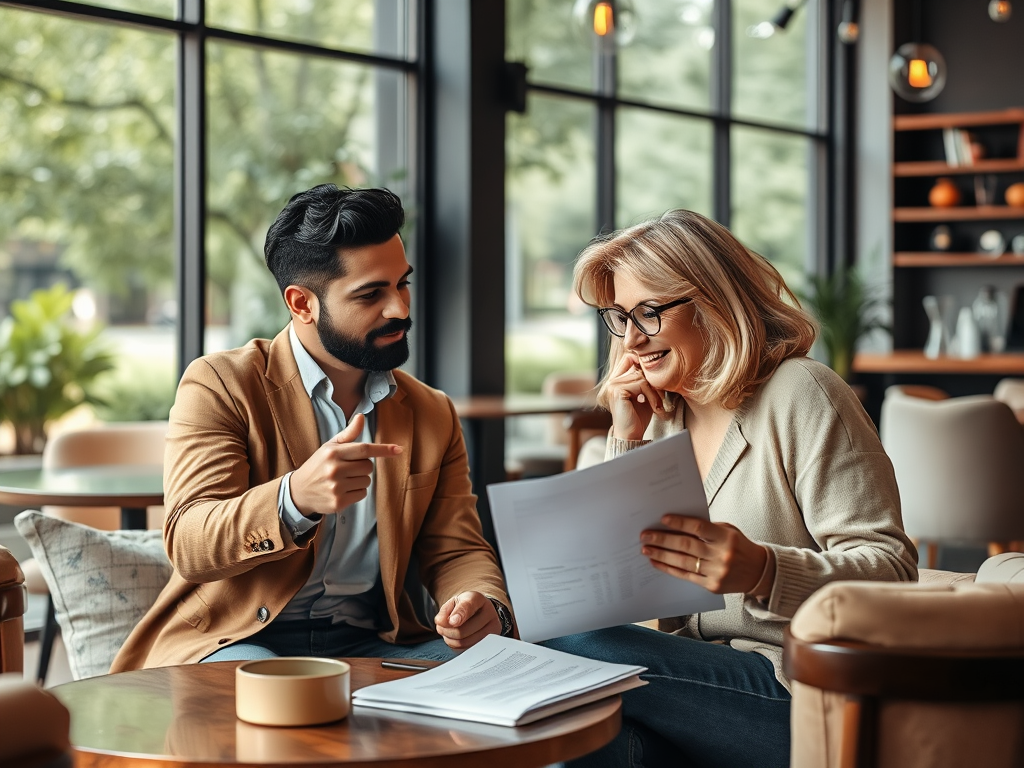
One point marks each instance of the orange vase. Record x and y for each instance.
(945, 194)
(1015, 195)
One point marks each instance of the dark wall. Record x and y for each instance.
(985, 59)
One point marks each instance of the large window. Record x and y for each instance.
(690, 109)
(117, 117)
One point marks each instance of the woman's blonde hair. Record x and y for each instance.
(740, 299)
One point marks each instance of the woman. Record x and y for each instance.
(706, 337)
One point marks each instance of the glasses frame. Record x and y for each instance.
(658, 309)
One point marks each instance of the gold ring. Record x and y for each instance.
(697, 569)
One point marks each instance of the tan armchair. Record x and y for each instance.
(907, 675)
(13, 601)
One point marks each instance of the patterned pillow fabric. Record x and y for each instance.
(102, 583)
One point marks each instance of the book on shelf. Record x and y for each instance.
(503, 681)
(956, 144)
(966, 153)
(950, 143)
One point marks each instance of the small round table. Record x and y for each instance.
(184, 717)
(131, 487)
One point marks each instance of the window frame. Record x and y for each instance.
(190, 168)
(828, 222)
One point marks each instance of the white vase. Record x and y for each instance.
(967, 341)
(938, 337)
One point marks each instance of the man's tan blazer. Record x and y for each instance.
(240, 421)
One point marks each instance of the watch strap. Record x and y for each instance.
(504, 616)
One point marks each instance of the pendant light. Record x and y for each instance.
(606, 24)
(917, 71)
(1000, 10)
(849, 30)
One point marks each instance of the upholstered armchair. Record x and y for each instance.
(903, 675)
(958, 463)
(33, 724)
(13, 601)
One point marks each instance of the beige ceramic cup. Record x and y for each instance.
(292, 690)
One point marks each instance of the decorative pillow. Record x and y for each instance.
(101, 582)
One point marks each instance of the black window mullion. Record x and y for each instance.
(721, 104)
(190, 184)
(606, 71)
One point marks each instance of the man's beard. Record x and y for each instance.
(363, 353)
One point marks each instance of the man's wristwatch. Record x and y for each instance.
(504, 615)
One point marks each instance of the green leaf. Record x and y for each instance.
(846, 311)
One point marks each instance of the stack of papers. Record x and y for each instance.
(503, 681)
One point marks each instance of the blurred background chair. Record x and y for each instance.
(959, 464)
(907, 675)
(923, 391)
(550, 456)
(13, 601)
(1011, 392)
(582, 426)
(131, 443)
(34, 726)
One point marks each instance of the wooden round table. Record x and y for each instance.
(173, 717)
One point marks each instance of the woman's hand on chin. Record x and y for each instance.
(633, 400)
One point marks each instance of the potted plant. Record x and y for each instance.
(47, 366)
(846, 311)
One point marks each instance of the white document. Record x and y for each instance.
(570, 543)
(502, 681)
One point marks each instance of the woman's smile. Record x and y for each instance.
(652, 357)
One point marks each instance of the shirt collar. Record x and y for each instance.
(379, 385)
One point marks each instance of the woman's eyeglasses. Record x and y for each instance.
(645, 317)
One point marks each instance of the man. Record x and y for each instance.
(303, 474)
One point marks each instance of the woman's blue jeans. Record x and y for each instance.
(705, 704)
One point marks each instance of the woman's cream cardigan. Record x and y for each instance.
(802, 471)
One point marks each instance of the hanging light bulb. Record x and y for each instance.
(606, 23)
(848, 30)
(917, 72)
(1000, 10)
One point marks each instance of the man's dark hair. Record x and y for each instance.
(302, 243)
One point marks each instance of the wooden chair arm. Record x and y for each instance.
(867, 674)
(13, 603)
(861, 669)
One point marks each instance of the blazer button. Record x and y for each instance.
(266, 545)
(262, 614)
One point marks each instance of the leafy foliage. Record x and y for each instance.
(141, 395)
(846, 311)
(47, 367)
(87, 136)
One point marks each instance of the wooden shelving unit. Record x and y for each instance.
(948, 259)
(957, 213)
(919, 159)
(942, 168)
(914, 361)
(932, 121)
